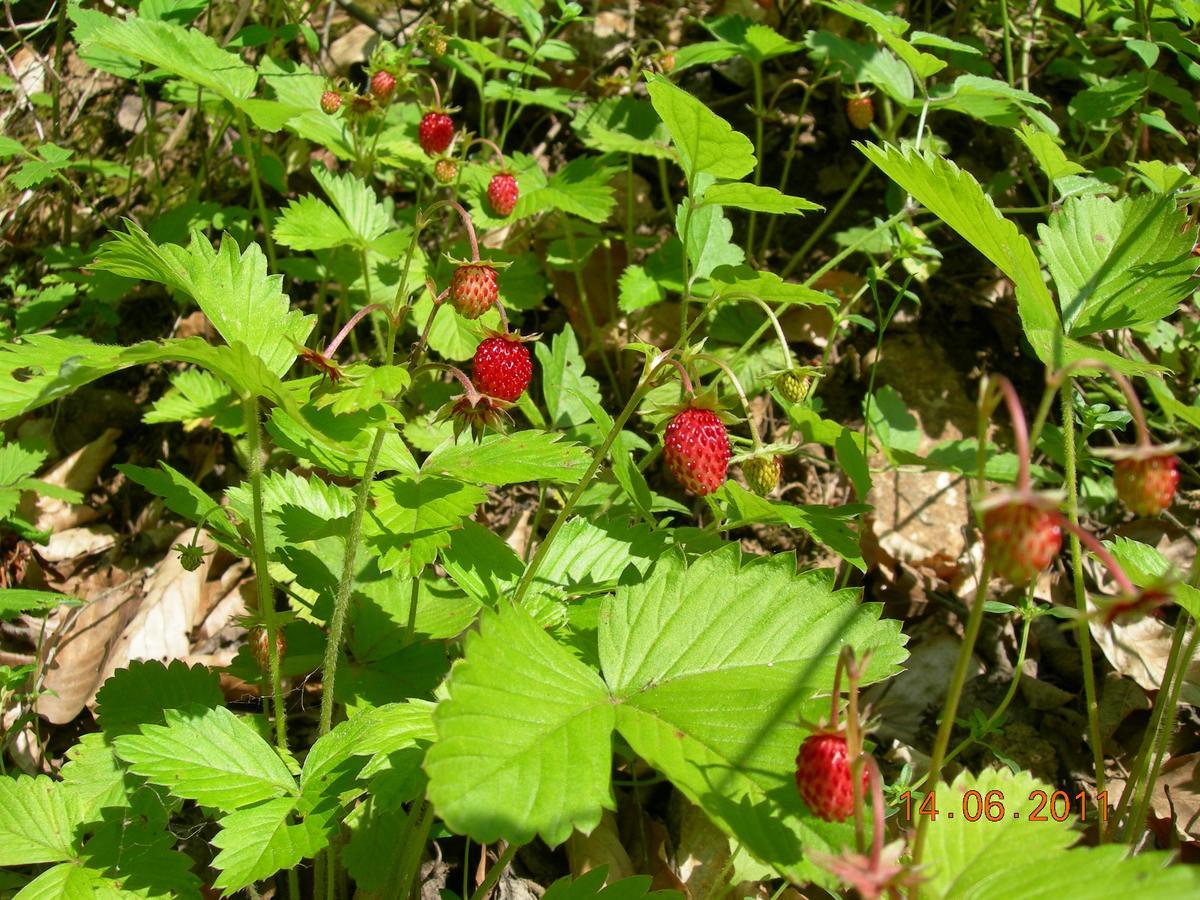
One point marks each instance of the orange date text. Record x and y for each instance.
(1048, 806)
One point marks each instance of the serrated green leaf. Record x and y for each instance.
(197, 396)
(1118, 264)
(758, 198)
(705, 141)
(623, 125)
(582, 188)
(257, 842)
(1146, 567)
(140, 693)
(586, 553)
(356, 202)
(592, 886)
(709, 239)
(1049, 155)
(300, 88)
(863, 64)
(37, 821)
(830, 526)
(210, 756)
(1017, 857)
(523, 739)
(481, 563)
(68, 881)
(308, 223)
(890, 28)
(638, 289)
(564, 374)
(186, 498)
(231, 287)
(510, 459)
(95, 776)
(354, 432)
(713, 662)
(411, 518)
(14, 601)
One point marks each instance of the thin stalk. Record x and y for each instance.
(256, 189)
(953, 696)
(828, 220)
(494, 872)
(790, 155)
(581, 289)
(1081, 628)
(410, 856)
(341, 602)
(1008, 57)
(1164, 735)
(759, 112)
(1150, 740)
(1008, 695)
(262, 574)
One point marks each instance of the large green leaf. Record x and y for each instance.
(958, 200)
(257, 842)
(232, 288)
(713, 664)
(705, 141)
(411, 518)
(623, 125)
(37, 821)
(208, 755)
(524, 739)
(758, 198)
(141, 693)
(510, 459)
(582, 188)
(1015, 856)
(68, 881)
(1119, 264)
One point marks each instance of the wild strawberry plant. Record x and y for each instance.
(426, 315)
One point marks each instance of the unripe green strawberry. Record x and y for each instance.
(331, 102)
(473, 289)
(190, 556)
(794, 385)
(762, 473)
(1146, 484)
(433, 41)
(1020, 540)
(860, 110)
(823, 776)
(445, 170)
(260, 646)
(696, 449)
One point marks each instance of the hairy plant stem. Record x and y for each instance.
(494, 872)
(759, 112)
(1165, 729)
(1008, 57)
(953, 695)
(256, 188)
(262, 576)
(1081, 629)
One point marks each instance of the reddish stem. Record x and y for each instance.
(1020, 430)
(495, 149)
(683, 375)
(437, 94)
(349, 326)
(875, 780)
(1090, 541)
(503, 316)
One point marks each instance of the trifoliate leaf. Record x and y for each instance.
(581, 187)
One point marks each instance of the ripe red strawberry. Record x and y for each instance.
(1021, 539)
(435, 132)
(260, 648)
(473, 289)
(445, 170)
(860, 110)
(383, 85)
(502, 367)
(331, 102)
(696, 449)
(1147, 484)
(502, 193)
(762, 473)
(823, 776)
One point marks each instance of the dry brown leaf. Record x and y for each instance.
(74, 543)
(74, 659)
(703, 852)
(163, 625)
(1139, 650)
(603, 847)
(78, 472)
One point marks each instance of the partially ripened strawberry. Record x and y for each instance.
(1146, 484)
(435, 132)
(445, 170)
(823, 776)
(1021, 539)
(502, 367)
(383, 85)
(696, 449)
(502, 193)
(260, 647)
(331, 102)
(473, 289)
(860, 110)
(762, 473)
(433, 40)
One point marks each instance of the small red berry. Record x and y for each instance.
(1021, 539)
(860, 110)
(260, 647)
(445, 170)
(696, 449)
(473, 289)
(331, 102)
(823, 776)
(502, 193)
(1147, 484)
(502, 367)
(383, 85)
(435, 133)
